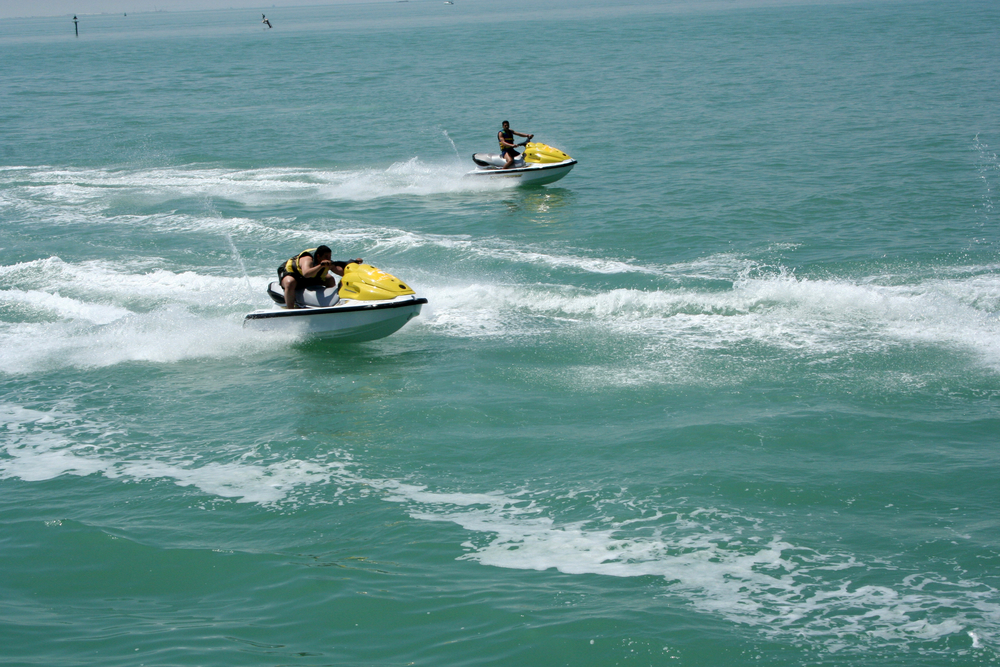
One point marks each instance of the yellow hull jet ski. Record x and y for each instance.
(538, 165)
(367, 305)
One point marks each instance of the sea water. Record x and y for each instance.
(728, 394)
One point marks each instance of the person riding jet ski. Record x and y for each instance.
(310, 268)
(507, 145)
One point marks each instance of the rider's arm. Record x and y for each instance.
(310, 270)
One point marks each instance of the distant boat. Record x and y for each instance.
(448, 2)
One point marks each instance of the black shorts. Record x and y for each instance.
(511, 152)
(300, 281)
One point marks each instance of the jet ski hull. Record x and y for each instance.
(346, 320)
(489, 165)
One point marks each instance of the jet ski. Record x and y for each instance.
(538, 165)
(367, 305)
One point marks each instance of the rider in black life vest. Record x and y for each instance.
(507, 145)
(310, 268)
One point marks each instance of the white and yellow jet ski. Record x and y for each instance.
(367, 305)
(538, 165)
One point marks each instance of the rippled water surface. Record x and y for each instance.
(727, 394)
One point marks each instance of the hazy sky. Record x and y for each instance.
(19, 8)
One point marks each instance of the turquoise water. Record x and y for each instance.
(725, 395)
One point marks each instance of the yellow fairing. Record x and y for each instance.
(363, 282)
(542, 154)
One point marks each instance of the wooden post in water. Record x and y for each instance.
(76, 25)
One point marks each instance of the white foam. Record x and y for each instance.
(989, 168)
(804, 318)
(502, 250)
(63, 307)
(722, 563)
(667, 332)
(43, 445)
(45, 453)
(86, 187)
(164, 336)
(96, 316)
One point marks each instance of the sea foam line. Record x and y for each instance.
(84, 306)
(988, 167)
(60, 315)
(808, 317)
(39, 445)
(249, 186)
(720, 562)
